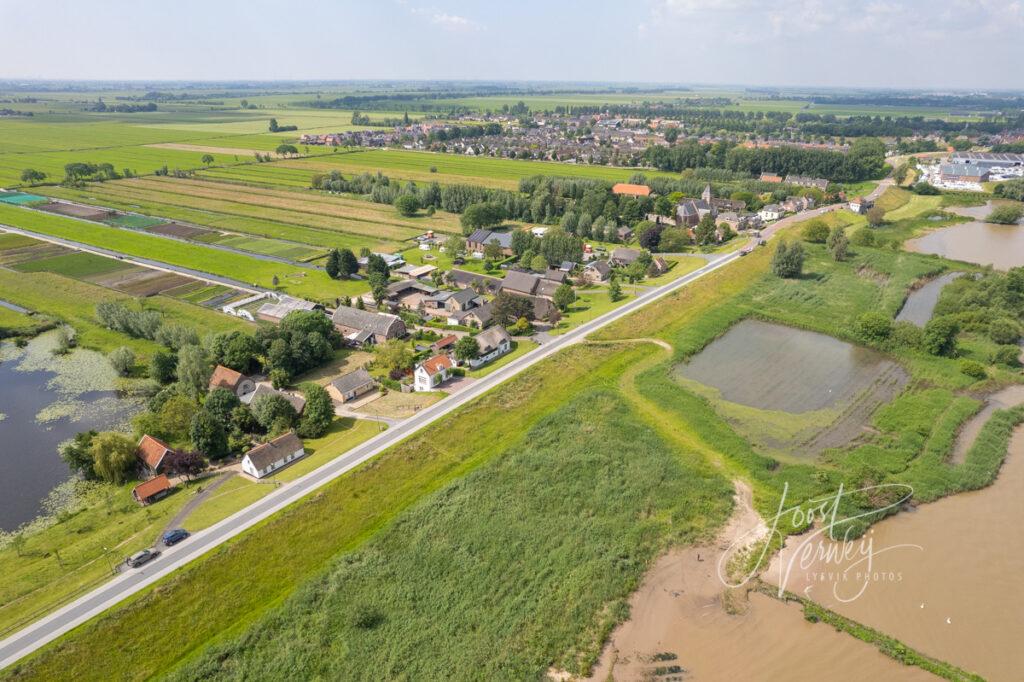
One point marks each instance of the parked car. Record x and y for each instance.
(173, 537)
(140, 558)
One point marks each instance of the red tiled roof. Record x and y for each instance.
(151, 487)
(437, 363)
(152, 451)
(635, 190)
(225, 377)
(446, 341)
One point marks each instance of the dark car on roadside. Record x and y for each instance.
(140, 558)
(173, 537)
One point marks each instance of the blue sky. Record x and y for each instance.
(887, 43)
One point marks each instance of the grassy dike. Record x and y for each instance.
(221, 595)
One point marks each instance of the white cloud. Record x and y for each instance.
(449, 22)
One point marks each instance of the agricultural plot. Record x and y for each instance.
(77, 211)
(313, 203)
(455, 169)
(358, 223)
(74, 264)
(297, 281)
(167, 208)
(28, 255)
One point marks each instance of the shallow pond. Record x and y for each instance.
(921, 302)
(773, 367)
(1001, 246)
(45, 400)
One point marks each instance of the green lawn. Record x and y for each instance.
(590, 303)
(35, 582)
(519, 348)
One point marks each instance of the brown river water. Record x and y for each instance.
(677, 619)
(1001, 246)
(959, 596)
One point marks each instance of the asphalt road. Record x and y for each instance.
(125, 584)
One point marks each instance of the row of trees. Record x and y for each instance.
(865, 159)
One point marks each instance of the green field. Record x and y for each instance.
(76, 265)
(451, 168)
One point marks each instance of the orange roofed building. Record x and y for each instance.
(432, 373)
(152, 453)
(236, 382)
(152, 490)
(631, 190)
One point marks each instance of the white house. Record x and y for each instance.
(770, 212)
(493, 343)
(267, 458)
(432, 373)
(860, 205)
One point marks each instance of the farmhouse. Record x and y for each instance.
(297, 402)
(477, 242)
(152, 454)
(494, 343)
(267, 458)
(350, 386)
(624, 234)
(236, 382)
(478, 317)
(528, 284)
(152, 490)
(462, 300)
(432, 373)
(362, 327)
(861, 205)
(626, 189)
(275, 311)
(623, 256)
(797, 204)
(597, 271)
(770, 212)
(659, 266)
